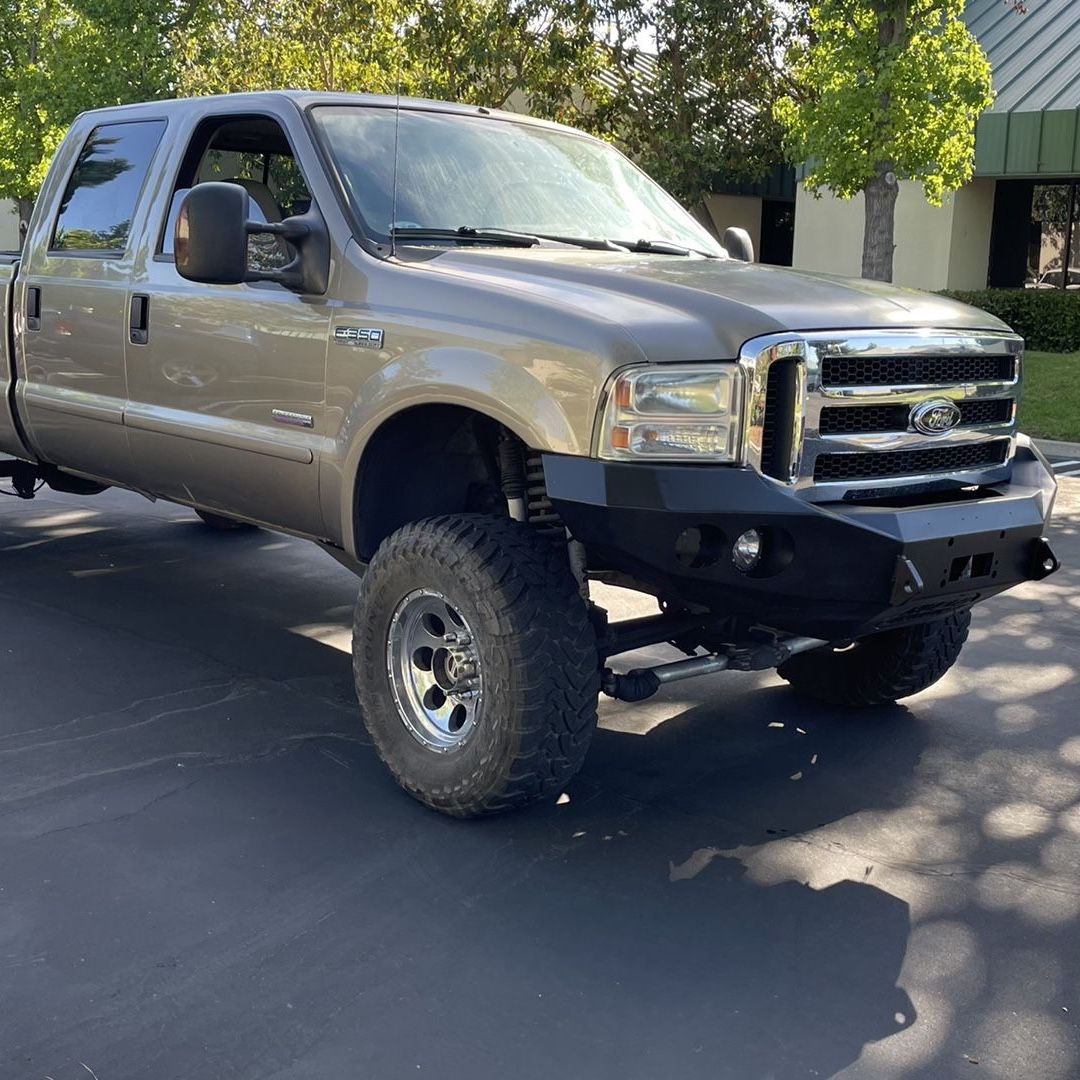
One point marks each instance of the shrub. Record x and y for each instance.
(1047, 319)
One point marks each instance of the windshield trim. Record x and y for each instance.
(380, 244)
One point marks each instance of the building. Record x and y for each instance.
(9, 226)
(1018, 222)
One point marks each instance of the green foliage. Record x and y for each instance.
(704, 108)
(1047, 319)
(544, 56)
(237, 45)
(895, 84)
(59, 57)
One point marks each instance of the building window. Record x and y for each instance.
(1054, 237)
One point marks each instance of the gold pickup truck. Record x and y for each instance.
(485, 361)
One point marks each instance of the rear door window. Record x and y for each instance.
(99, 201)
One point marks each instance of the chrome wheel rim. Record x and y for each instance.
(434, 670)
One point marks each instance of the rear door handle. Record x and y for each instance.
(139, 322)
(33, 308)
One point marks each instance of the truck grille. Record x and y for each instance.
(778, 430)
(873, 465)
(914, 370)
(852, 419)
(832, 415)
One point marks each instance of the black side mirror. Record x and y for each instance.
(212, 231)
(738, 245)
(211, 234)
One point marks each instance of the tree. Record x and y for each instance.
(236, 45)
(696, 82)
(500, 53)
(485, 52)
(881, 90)
(59, 57)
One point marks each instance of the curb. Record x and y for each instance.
(1053, 448)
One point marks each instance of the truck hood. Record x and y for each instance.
(687, 308)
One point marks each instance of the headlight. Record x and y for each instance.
(673, 413)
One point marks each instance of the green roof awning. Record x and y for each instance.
(1028, 144)
(1033, 128)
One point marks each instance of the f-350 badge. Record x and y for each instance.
(363, 337)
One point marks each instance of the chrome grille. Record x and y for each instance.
(873, 465)
(844, 410)
(845, 370)
(853, 419)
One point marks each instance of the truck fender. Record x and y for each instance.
(481, 382)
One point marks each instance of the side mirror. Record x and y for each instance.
(211, 234)
(738, 244)
(212, 231)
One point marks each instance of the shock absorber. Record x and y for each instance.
(512, 475)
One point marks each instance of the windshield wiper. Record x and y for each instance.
(662, 247)
(506, 236)
(466, 233)
(531, 239)
(590, 243)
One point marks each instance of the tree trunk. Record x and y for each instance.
(878, 246)
(25, 208)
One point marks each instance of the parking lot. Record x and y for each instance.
(205, 872)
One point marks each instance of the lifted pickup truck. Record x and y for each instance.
(484, 360)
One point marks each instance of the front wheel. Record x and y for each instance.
(475, 663)
(881, 668)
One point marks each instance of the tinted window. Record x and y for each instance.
(1054, 237)
(96, 210)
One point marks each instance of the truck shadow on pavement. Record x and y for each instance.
(208, 872)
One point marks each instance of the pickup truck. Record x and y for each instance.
(485, 361)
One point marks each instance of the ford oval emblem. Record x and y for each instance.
(935, 417)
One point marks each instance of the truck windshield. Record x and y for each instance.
(459, 172)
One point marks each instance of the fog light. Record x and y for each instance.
(746, 551)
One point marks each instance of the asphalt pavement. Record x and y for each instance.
(1065, 466)
(206, 873)
(1063, 456)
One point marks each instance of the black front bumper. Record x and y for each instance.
(829, 570)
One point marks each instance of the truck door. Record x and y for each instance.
(72, 297)
(227, 382)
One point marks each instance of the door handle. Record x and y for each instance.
(33, 308)
(139, 321)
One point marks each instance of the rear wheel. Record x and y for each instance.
(475, 663)
(220, 523)
(881, 668)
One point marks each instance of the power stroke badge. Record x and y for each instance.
(363, 337)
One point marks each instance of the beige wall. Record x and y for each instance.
(969, 251)
(937, 247)
(9, 226)
(742, 211)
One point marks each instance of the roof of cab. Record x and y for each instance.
(304, 99)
